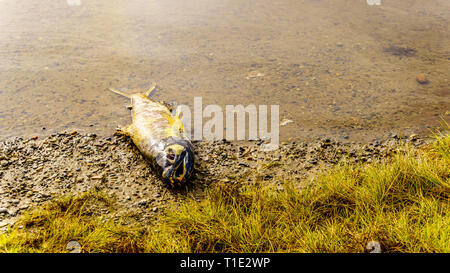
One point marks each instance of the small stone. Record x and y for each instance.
(254, 74)
(312, 161)
(3, 225)
(12, 213)
(373, 247)
(23, 207)
(4, 163)
(285, 122)
(421, 78)
(73, 247)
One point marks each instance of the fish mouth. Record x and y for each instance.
(176, 161)
(176, 173)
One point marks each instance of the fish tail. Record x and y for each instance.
(146, 93)
(119, 92)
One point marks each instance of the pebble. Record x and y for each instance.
(373, 247)
(73, 247)
(285, 122)
(23, 207)
(421, 78)
(142, 203)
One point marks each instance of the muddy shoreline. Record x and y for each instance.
(35, 170)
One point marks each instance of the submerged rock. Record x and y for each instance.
(421, 78)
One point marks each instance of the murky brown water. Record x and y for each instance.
(336, 68)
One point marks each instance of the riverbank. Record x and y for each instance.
(37, 170)
(112, 182)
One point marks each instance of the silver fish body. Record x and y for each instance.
(160, 137)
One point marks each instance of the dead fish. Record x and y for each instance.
(160, 137)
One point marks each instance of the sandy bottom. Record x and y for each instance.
(337, 68)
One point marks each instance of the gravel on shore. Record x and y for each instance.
(33, 171)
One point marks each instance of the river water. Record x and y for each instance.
(336, 68)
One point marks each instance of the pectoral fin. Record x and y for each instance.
(178, 125)
(124, 131)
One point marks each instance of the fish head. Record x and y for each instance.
(177, 162)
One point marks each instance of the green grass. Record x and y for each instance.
(49, 228)
(402, 203)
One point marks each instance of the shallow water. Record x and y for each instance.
(340, 69)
